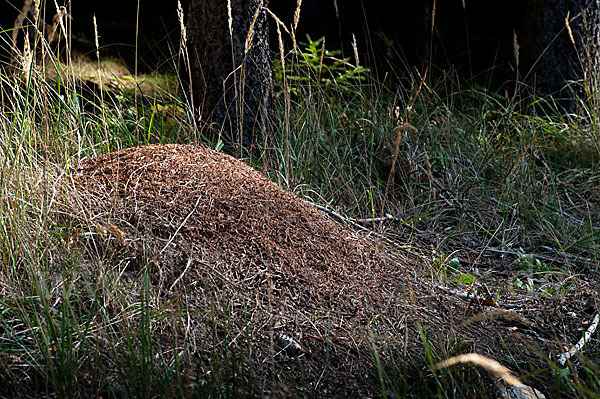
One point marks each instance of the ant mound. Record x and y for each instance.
(265, 273)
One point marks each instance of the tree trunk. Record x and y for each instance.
(559, 54)
(230, 68)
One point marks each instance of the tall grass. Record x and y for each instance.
(460, 168)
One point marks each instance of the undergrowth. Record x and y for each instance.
(475, 179)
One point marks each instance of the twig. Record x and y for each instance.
(334, 214)
(488, 302)
(189, 263)
(562, 359)
(358, 226)
(376, 220)
(180, 226)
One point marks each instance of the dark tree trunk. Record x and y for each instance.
(231, 81)
(555, 57)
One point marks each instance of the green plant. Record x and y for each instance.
(313, 64)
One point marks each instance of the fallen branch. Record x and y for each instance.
(473, 296)
(358, 226)
(562, 359)
(385, 218)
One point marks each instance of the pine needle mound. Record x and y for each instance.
(191, 201)
(222, 236)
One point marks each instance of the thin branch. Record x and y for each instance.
(356, 225)
(473, 296)
(189, 263)
(562, 359)
(385, 218)
(180, 226)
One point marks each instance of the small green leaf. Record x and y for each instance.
(530, 283)
(466, 279)
(518, 283)
(454, 265)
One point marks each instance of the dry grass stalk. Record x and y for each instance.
(280, 43)
(27, 58)
(278, 21)
(490, 365)
(279, 24)
(96, 42)
(181, 24)
(36, 12)
(250, 36)
(355, 50)
(430, 175)
(297, 14)
(296, 20)
(229, 19)
(59, 20)
(51, 33)
(19, 22)
(322, 56)
(100, 83)
(183, 49)
(516, 50)
(433, 15)
(569, 31)
(403, 127)
(286, 92)
(516, 164)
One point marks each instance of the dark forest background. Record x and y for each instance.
(392, 36)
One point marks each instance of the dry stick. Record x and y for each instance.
(189, 263)
(463, 295)
(385, 218)
(180, 226)
(358, 226)
(562, 359)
